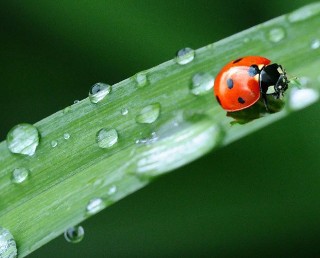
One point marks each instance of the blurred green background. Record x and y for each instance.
(256, 197)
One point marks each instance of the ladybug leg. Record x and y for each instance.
(265, 101)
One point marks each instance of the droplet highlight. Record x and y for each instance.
(149, 114)
(95, 205)
(276, 34)
(99, 91)
(315, 44)
(112, 190)
(23, 139)
(106, 138)
(66, 136)
(124, 111)
(202, 83)
(19, 175)
(185, 56)
(8, 247)
(301, 98)
(53, 144)
(74, 234)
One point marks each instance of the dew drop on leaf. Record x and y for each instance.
(106, 138)
(74, 234)
(149, 114)
(98, 92)
(19, 175)
(8, 247)
(201, 83)
(185, 56)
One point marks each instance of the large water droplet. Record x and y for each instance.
(23, 139)
(201, 83)
(106, 138)
(300, 98)
(315, 44)
(305, 12)
(95, 205)
(185, 56)
(149, 114)
(276, 34)
(99, 91)
(19, 175)
(141, 79)
(124, 111)
(8, 247)
(74, 234)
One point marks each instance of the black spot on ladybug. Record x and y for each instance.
(230, 83)
(218, 100)
(237, 60)
(241, 100)
(253, 70)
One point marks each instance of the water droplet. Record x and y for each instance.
(149, 114)
(76, 101)
(66, 110)
(54, 144)
(19, 175)
(277, 34)
(8, 247)
(112, 190)
(305, 12)
(185, 56)
(141, 79)
(106, 138)
(23, 139)
(201, 83)
(66, 136)
(315, 44)
(300, 98)
(148, 140)
(124, 111)
(74, 234)
(99, 91)
(95, 205)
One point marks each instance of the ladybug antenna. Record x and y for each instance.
(295, 81)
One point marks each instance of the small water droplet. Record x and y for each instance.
(8, 247)
(95, 205)
(276, 34)
(54, 144)
(141, 79)
(304, 13)
(124, 111)
(66, 110)
(185, 56)
(300, 98)
(149, 114)
(76, 101)
(66, 136)
(201, 83)
(19, 175)
(98, 92)
(315, 44)
(74, 234)
(112, 190)
(148, 140)
(106, 138)
(23, 139)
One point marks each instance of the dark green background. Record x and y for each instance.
(256, 197)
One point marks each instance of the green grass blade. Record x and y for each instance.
(166, 127)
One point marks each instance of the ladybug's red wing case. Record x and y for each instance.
(237, 85)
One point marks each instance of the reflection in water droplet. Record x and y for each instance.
(95, 205)
(141, 79)
(8, 247)
(201, 83)
(315, 44)
(112, 190)
(74, 234)
(185, 56)
(99, 91)
(106, 138)
(19, 175)
(23, 139)
(54, 144)
(66, 136)
(149, 114)
(276, 34)
(124, 111)
(300, 98)
(76, 101)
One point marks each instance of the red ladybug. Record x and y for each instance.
(243, 81)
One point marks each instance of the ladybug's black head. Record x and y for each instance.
(273, 80)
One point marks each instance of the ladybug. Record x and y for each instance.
(242, 82)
